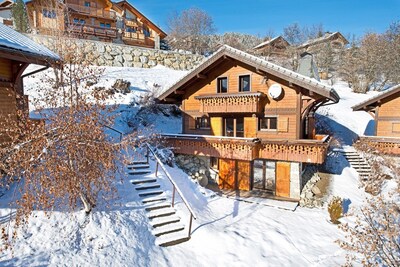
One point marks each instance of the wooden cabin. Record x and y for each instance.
(16, 53)
(101, 20)
(253, 120)
(5, 12)
(336, 41)
(385, 109)
(274, 47)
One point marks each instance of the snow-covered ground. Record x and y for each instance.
(227, 232)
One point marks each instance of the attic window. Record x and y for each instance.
(244, 83)
(222, 85)
(51, 14)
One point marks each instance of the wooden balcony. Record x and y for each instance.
(386, 145)
(92, 30)
(137, 38)
(131, 23)
(231, 103)
(307, 151)
(213, 146)
(91, 11)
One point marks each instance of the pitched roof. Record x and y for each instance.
(374, 100)
(327, 36)
(15, 43)
(271, 41)
(260, 64)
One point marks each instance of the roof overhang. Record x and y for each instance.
(374, 101)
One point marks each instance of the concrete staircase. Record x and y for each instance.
(166, 224)
(358, 163)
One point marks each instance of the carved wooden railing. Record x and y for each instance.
(386, 145)
(232, 103)
(308, 151)
(91, 11)
(92, 30)
(138, 37)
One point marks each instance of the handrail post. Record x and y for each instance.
(148, 154)
(190, 225)
(157, 169)
(173, 196)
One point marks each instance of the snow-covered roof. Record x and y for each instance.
(260, 64)
(327, 36)
(373, 100)
(15, 42)
(271, 41)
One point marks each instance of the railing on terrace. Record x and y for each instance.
(91, 11)
(92, 30)
(387, 145)
(308, 151)
(231, 103)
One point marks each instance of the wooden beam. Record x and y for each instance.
(170, 100)
(179, 92)
(201, 76)
(6, 84)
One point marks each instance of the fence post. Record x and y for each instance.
(173, 196)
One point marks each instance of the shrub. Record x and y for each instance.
(335, 209)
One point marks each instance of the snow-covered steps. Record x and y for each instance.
(160, 213)
(143, 181)
(158, 198)
(139, 171)
(357, 162)
(160, 221)
(147, 186)
(167, 229)
(138, 166)
(159, 205)
(147, 193)
(172, 239)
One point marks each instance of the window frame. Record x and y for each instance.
(240, 82)
(200, 125)
(218, 84)
(269, 123)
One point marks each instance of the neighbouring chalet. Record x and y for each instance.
(274, 47)
(336, 41)
(16, 53)
(385, 109)
(252, 120)
(5, 12)
(102, 20)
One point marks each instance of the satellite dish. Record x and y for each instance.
(275, 91)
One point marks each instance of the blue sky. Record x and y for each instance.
(259, 16)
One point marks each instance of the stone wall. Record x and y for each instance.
(196, 167)
(118, 55)
(311, 195)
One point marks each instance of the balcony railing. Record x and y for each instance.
(91, 11)
(137, 38)
(231, 103)
(131, 23)
(386, 145)
(307, 151)
(93, 30)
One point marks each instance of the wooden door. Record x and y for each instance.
(243, 175)
(227, 174)
(283, 179)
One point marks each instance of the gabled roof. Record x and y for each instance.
(15, 44)
(373, 101)
(327, 36)
(124, 2)
(260, 64)
(272, 41)
(6, 4)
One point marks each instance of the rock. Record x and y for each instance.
(144, 59)
(202, 170)
(127, 57)
(119, 59)
(316, 190)
(203, 180)
(107, 56)
(309, 195)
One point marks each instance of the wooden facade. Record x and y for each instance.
(385, 109)
(230, 112)
(16, 53)
(101, 20)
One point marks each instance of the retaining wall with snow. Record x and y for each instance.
(119, 55)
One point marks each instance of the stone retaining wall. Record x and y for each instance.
(118, 55)
(310, 195)
(196, 167)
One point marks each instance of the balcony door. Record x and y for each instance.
(234, 127)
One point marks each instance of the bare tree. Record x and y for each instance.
(190, 30)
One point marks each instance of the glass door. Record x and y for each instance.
(264, 175)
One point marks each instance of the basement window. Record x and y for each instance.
(244, 83)
(222, 85)
(268, 123)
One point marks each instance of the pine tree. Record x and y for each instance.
(19, 15)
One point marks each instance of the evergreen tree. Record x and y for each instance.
(19, 15)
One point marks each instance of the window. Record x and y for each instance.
(203, 123)
(234, 127)
(214, 163)
(76, 21)
(82, 21)
(87, 4)
(108, 25)
(51, 14)
(244, 83)
(79, 21)
(222, 85)
(268, 123)
(102, 24)
(130, 29)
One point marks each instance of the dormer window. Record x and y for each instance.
(222, 85)
(244, 83)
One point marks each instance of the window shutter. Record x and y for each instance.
(283, 124)
(192, 123)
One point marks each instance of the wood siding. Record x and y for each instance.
(5, 69)
(8, 110)
(388, 117)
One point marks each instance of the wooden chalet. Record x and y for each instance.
(274, 47)
(253, 120)
(16, 53)
(101, 20)
(385, 109)
(335, 39)
(5, 12)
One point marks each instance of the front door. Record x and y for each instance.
(283, 179)
(227, 174)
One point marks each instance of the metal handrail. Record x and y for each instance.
(175, 188)
(117, 131)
